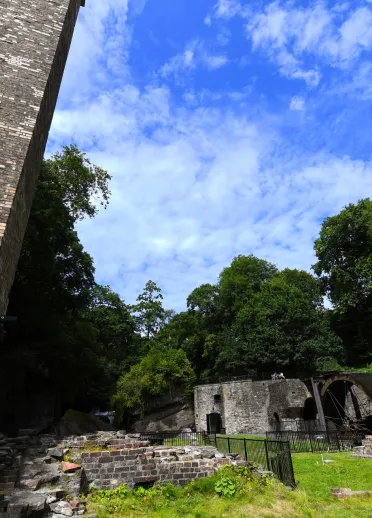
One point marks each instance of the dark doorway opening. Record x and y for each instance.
(214, 423)
(310, 410)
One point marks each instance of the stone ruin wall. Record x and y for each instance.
(35, 39)
(248, 407)
(46, 474)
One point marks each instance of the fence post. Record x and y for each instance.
(311, 443)
(228, 443)
(245, 449)
(267, 455)
(338, 442)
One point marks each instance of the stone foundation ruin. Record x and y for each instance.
(41, 475)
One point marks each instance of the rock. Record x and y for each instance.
(51, 499)
(69, 467)
(32, 483)
(27, 431)
(56, 453)
(62, 507)
(78, 423)
(219, 456)
(78, 505)
(30, 505)
(47, 460)
(58, 493)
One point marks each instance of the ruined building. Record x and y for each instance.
(35, 38)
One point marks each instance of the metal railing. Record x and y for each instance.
(177, 438)
(317, 441)
(270, 455)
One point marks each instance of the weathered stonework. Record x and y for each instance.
(35, 38)
(249, 407)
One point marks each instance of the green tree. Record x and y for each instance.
(117, 343)
(52, 343)
(241, 280)
(344, 269)
(284, 327)
(149, 311)
(344, 252)
(159, 372)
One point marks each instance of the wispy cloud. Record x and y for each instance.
(291, 35)
(297, 104)
(195, 55)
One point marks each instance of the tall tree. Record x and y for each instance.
(281, 327)
(241, 280)
(150, 314)
(344, 252)
(344, 268)
(53, 285)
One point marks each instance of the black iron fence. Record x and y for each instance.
(177, 438)
(317, 441)
(271, 455)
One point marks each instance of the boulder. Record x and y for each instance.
(56, 453)
(78, 423)
(61, 507)
(27, 505)
(33, 484)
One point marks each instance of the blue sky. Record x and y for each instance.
(229, 127)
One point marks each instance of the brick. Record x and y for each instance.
(104, 460)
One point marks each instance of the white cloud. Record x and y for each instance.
(297, 104)
(227, 8)
(208, 20)
(336, 37)
(195, 55)
(200, 188)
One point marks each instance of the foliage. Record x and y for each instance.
(226, 486)
(80, 185)
(159, 372)
(241, 280)
(52, 291)
(284, 327)
(344, 268)
(344, 252)
(149, 311)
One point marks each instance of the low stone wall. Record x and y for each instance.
(147, 465)
(364, 451)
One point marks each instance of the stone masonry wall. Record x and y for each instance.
(35, 39)
(138, 465)
(125, 459)
(249, 406)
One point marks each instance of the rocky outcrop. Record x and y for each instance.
(78, 423)
(172, 416)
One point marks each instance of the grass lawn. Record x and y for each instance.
(317, 479)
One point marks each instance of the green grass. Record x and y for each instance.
(317, 479)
